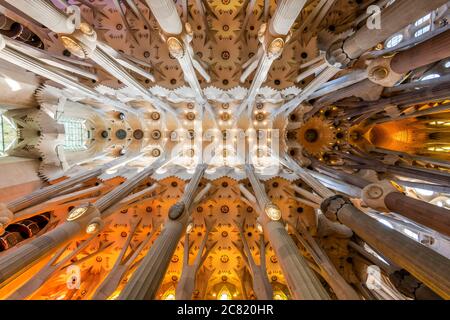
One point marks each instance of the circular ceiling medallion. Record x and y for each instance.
(156, 152)
(138, 134)
(156, 134)
(121, 134)
(190, 116)
(155, 116)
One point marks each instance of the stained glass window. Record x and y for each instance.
(8, 134)
(76, 133)
(422, 31)
(395, 40)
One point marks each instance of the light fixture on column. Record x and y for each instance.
(273, 212)
(76, 213)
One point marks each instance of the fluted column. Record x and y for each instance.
(144, 283)
(115, 69)
(84, 218)
(423, 263)
(167, 16)
(46, 13)
(46, 193)
(301, 280)
(273, 39)
(261, 284)
(22, 60)
(285, 15)
(186, 285)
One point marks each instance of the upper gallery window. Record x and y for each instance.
(430, 76)
(422, 20)
(394, 41)
(76, 133)
(422, 31)
(8, 134)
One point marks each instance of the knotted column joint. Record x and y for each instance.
(332, 205)
(337, 57)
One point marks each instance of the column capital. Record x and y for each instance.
(82, 42)
(331, 206)
(337, 57)
(87, 216)
(379, 71)
(374, 194)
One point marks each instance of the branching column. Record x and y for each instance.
(186, 285)
(261, 284)
(145, 282)
(301, 280)
(273, 39)
(423, 263)
(86, 218)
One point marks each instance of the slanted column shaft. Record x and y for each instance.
(44, 12)
(22, 60)
(84, 218)
(301, 280)
(115, 69)
(429, 215)
(423, 263)
(167, 16)
(46, 193)
(383, 196)
(409, 10)
(145, 282)
(285, 15)
(435, 49)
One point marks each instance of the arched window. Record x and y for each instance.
(8, 134)
(394, 41)
(76, 133)
(430, 76)
(422, 31)
(422, 20)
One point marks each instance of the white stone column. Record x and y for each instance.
(144, 283)
(84, 218)
(47, 14)
(167, 16)
(285, 15)
(302, 282)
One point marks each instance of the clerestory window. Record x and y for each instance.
(76, 133)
